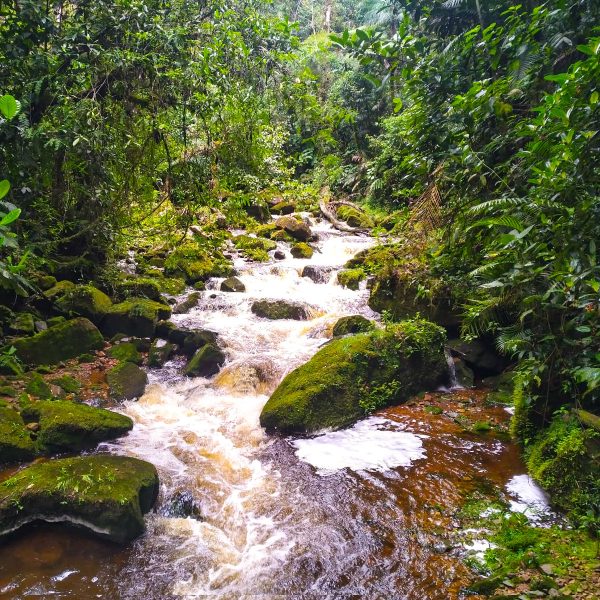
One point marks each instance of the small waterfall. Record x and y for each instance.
(453, 383)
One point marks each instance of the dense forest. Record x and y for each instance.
(139, 137)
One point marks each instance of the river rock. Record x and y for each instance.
(189, 340)
(297, 229)
(106, 495)
(280, 309)
(126, 351)
(355, 375)
(352, 324)
(126, 381)
(70, 427)
(350, 278)
(160, 352)
(61, 342)
(85, 301)
(135, 316)
(15, 442)
(232, 284)
(186, 305)
(279, 255)
(22, 324)
(318, 274)
(138, 287)
(206, 362)
(301, 250)
(283, 208)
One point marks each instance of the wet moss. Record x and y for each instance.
(59, 290)
(195, 263)
(135, 316)
(61, 342)
(67, 383)
(206, 362)
(354, 217)
(352, 376)
(126, 381)
(350, 278)
(301, 250)
(106, 494)
(85, 301)
(126, 351)
(36, 386)
(69, 426)
(15, 442)
(139, 287)
(352, 324)
(254, 248)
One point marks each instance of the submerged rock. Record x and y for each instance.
(126, 381)
(16, 444)
(299, 230)
(107, 495)
(232, 284)
(355, 375)
(206, 362)
(280, 309)
(70, 427)
(160, 352)
(352, 324)
(135, 316)
(186, 305)
(66, 340)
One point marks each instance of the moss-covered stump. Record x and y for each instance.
(160, 352)
(135, 316)
(126, 381)
(107, 495)
(355, 375)
(232, 284)
(71, 427)
(254, 248)
(206, 362)
(138, 287)
(126, 351)
(85, 301)
(66, 340)
(352, 324)
(280, 309)
(299, 230)
(194, 263)
(301, 250)
(350, 278)
(16, 444)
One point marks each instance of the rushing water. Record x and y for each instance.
(362, 513)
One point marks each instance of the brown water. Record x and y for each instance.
(366, 513)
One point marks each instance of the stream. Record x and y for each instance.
(360, 513)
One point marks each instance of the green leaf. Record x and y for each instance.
(9, 107)
(594, 97)
(13, 215)
(4, 187)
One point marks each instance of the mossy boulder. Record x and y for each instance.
(301, 250)
(232, 284)
(186, 305)
(135, 316)
(354, 217)
(194, 263)
(108, 495)
(280, 309)
(45, 282)
(126, 351)
(265, 231)
(283, 208)
(139, 287)
(71, 427)
(22, 324)
(85, 301)
(355, 375)
(61, 342)
(36, 386)
(67, 383)
(126, 381)
(254, 248)
(299, 230)
(281, 236)
(160, 352)
(16, 444)
(350, 278)
(352, 324)
(59, 289)
(206, 362)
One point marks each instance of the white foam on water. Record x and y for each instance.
(367, 446)
(528, 498)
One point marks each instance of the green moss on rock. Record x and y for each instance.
(232, 284)
(85, 301)
(354, 217)
(139, 287)
(351, 278)
(352, 324)
(298, 230)
(71, 427)
(254, 248)
(355, 375)
(194, 263)
(59, 290)
(126, 351)
(107, 495)
(135, 316)
(61, 342)
(126, 381)
(301, 250)
(206, 362)
(160, 352)
(36, 386)
(15, 442)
